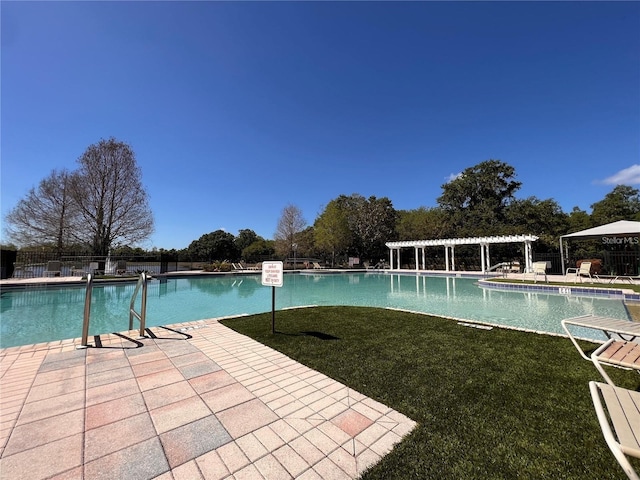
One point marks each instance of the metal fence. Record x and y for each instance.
(34, 264)
(613, 263)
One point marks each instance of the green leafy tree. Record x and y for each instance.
(578, 220)
(373, 223)
(422, 223)
(543, 218)
(214, 246)
(306, 243)
(476, 200)
(258, 250)
(622, 203)
(245, 238)
(128, 251)
(331, 229)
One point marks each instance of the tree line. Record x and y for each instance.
(479, 202)
(103, 206)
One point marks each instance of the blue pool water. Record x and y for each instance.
(40, 314)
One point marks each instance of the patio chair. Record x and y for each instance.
(317, 266)
(77, 270)
(584, 269)
(23, 271)
(618, 412)
(540, 268)
(612, 328)
(121, 267)
(93, 268)
(54, 269)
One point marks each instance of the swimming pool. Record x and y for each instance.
(42, 314)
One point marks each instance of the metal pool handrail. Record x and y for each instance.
(142, 283)
(87, 311)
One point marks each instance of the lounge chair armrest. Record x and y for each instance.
(622, 414)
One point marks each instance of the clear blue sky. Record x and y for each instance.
(236, 109)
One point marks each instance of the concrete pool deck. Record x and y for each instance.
(194, 401)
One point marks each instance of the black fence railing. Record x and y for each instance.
(613, 263)
(35, 264)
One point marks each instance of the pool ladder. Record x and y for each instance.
(141, 316)
(142, 283)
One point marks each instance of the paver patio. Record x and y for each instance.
(196, 400)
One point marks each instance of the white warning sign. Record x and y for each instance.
(272, 274)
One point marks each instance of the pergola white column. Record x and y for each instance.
(417, 260)
(528, 257)
(424, 260)
(450, 258)
(453, 257)
(446, 258)
(485, 262)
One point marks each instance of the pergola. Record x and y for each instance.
(450, 244)
(620, 232)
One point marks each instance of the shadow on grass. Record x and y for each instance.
(319, 335)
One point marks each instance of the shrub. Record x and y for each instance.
(217, 267)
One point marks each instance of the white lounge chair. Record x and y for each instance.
(617, 329)
(23, 271)
(583, 270)
(317, 266)
(54, 269)
(618, 412)
(77, 270)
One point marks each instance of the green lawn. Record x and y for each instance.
(490, 404)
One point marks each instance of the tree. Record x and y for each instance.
(543, 218)
(258, 250)
(422, 223)
(291, 222)
(476, 200)
(112, 203)
(374, 224)
(306, 243)
(578, 220)
(331, 229)
(46, 215)
(245, 238)
(218, 245)
(622, 203)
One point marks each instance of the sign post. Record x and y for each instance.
(273, 276)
